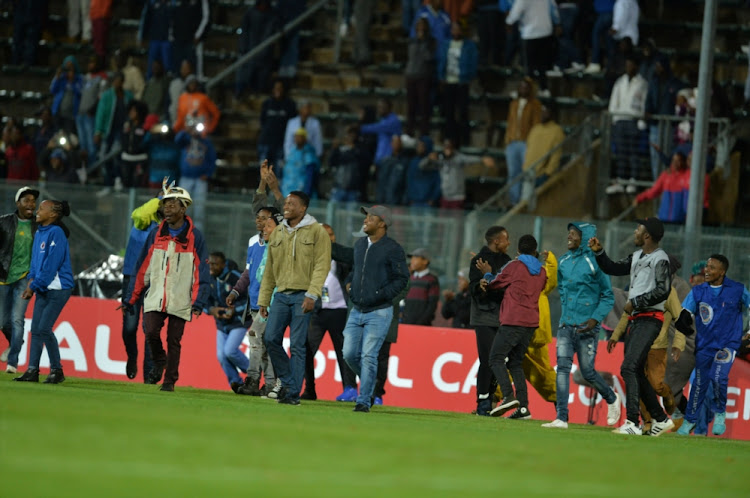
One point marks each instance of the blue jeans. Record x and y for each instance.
(601, 29)
(567, 51)
(286, 311)
(12, 312)
(363, 336)
(570, 342)
(514, 156)
(228, 352)
(198, 192)
(47, 308)
(290, 55)
(162, 50)
(85, 125)
(341, 195)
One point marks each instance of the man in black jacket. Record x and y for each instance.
(485, 309)
(191, 18)
(379, 275)
(650, 284)
(16, 237)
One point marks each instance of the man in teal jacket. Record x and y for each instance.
(586, 298)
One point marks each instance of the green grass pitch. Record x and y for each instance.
(100, 439)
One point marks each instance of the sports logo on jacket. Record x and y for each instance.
(706, 312)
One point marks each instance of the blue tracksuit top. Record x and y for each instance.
(50, 260)
(585, 290)
(197, 157)
(718, 314)
(133, 249)
(255, 249)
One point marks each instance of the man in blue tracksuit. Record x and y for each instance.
(586, 298)
(717, 304)
(378, 276)
(230, 327)
(145, 218)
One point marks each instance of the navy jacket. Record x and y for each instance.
(379, 275)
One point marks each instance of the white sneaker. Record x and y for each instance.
(408, 142)
(614, 410)
(544, 94)
(631, 188)
(274, 394)
(118, 184)
(11, 369)
(104, 192)
(4, 355)
(556, 424)
(575, 67)
(629, 428)
(659, 428)
(615, 188)
(593, 68)
(555, 72)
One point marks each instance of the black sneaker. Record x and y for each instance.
(521, 413)
(131, 368)
(286, 400)
(360, 407)
(483, 408)
(55, 376)
(309, 395)
(235, 386)
(156, 373)
(28, 376)
(508, 403)
(167, 387)
(249, 388)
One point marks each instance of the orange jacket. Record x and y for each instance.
(200, 106)
(100, 9)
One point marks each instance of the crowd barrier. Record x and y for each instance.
(430, 368)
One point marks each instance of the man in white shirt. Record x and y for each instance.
(330, 317)
(536, 19)
(627, 106)
(305, 120)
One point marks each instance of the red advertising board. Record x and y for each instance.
(430, 368)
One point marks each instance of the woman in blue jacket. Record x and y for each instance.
(51, 278)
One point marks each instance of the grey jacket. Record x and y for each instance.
(650, 277)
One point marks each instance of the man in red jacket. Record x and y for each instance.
(20, 156)
(523, 280)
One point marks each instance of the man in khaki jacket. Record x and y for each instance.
(298, 262)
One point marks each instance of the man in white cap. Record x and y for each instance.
(16, 237)
(378, 276)
(171, 291)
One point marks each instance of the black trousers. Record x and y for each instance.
(130, 324)
(332, 321)
(511, 342)
(485, 377)
(540, 55)
(640, 337)
(383, 355)
(418, 105)
(456, 112)
(153, 322)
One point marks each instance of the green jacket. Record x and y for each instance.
(105, 111)
(299, 259)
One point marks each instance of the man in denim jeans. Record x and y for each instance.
(586, 298)
(16, 236)
(379, 275)
(298, 260)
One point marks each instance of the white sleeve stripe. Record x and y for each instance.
(204, 20)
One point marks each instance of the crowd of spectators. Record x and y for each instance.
(447, 43)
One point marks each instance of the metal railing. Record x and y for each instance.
(258, 49)
(577, 144)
